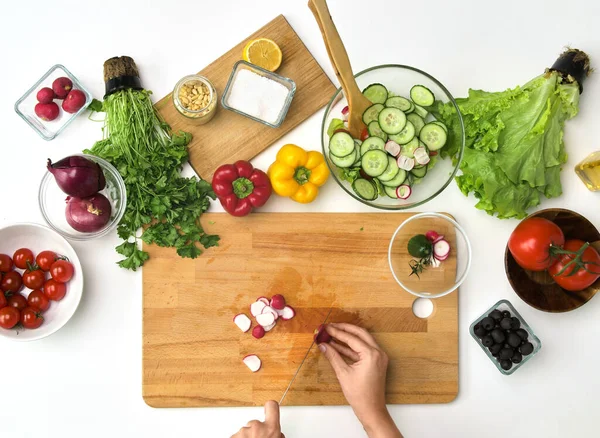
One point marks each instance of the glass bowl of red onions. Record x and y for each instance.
(82, 197)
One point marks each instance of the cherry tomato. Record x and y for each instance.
(9, 317)
(22, 256)
(62, 271)
(31, 318)
(38, 300)
(11, 282)
(17, 301)
(34, 279)
(581, 278)
(6, 263)
(45, 259)
(531, 241)
(3, 300)
(54, 290)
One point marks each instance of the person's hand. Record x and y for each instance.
(360, 366)
(270, 428)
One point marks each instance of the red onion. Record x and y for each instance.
(78, 176)
(88, 214)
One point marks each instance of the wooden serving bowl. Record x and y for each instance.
(538, 289)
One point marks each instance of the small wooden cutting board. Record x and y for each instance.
(229, 137)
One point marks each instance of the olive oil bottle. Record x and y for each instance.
(589, 171)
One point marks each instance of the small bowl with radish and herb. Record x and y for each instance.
(400, 160)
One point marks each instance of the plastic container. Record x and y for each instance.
(24, 107)
(202, 114)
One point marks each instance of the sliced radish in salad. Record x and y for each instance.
(403, 192)
(405, 163)
(256, 308)
(265, 319)
(243, 322)
(277, 302)
(269, 309)
(288, 313)
(421, 156)
(441, 249)
(392, 148)
(252, 362)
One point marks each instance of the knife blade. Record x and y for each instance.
(303, 360)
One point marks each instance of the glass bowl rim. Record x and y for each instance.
(194, 77)
(460, 152)
(102, 232)
(463, 276)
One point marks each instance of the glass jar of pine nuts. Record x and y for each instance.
(195, 98)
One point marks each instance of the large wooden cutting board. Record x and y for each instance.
(192, 351)
(228, 136)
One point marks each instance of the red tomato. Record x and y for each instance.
(54, 290)
(31, 318)
(62, 271)
(34, 279)
(3, 301)
(9, 317)
(573, 279)
(364, 134)
(45, 259)
(17, 301)
(38, 300)
(22, 256)
(6, 263)
(11, 282)
(531, 241)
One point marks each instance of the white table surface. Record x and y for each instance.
(85, 380)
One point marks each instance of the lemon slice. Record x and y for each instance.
(263, 52)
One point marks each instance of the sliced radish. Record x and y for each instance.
(405, 163)
(258, 331)
(345, 110)
(257, 307)
(253, 362)
(269, 309)
(421, 156)
(243, 322)
(277, 302)
(279, 312)
(270, 327)
(392, 148)
(265, 319)
(441, 249)
(438, 238)
(432, 235)
(288, 313)
(403, 192)
(441, 259)
(264, 300)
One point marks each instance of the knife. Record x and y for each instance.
(303, 360)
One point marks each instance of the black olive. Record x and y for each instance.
(498, 336)
(506, 323)
(526, 348)
(487, 323)
(506, 364)
(515, 323)
(517, 358)
(488, 341)
(513, 340)
(506, 314)
(495, 349)
(496, 315)
(522, 334)
(479, 331)
(506, 353)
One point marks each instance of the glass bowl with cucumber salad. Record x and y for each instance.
(403, 158)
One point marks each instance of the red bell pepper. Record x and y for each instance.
(240, 187)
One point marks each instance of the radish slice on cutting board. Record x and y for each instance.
(243, 322)
(265, 319)
(269, 309)
(270, 327)
(288, 313)
(264, 300)
(441, 249)
(253, 362)
(257, 307)
(258, 331)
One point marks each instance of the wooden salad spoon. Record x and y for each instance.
(357, 102)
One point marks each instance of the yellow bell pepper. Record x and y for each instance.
(298, 174)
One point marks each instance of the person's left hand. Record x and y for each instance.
(270, 428)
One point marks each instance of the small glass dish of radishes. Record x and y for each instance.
(53, 102)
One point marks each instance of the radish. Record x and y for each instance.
(253, 362)
(265, 319)
(264, 300)
(269, 309)
(392, 148)
(432, 235)
(270, 327)
(421, 156)
(257, 307)
(288, 313)
(441, 249)
(321, 335)
(405, 163)
(258, 331)
(345, 112)
(277, 302)
(438, 238)
(243, 322)
(403, 192)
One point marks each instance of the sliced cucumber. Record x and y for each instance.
(408, 150)
(422, 95)
(411, 109)
(402, 103)
(406, 135)
(422, 112)
(397, 180)
(376, 93)
(419, 172)
(341, 144)
(372, 112)
(391, 171)
(433, 136)
(375, 130)
(357, 146)
(437, 122)
(344, 162)
(372, 143)
(390, 191)
(392, 120)
(365, 189)
(374, 162)
(417, 121)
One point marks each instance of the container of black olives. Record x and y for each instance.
(505, 337)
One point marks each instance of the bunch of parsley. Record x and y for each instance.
(149, 157)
